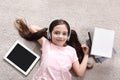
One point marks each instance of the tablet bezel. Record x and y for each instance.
(17, 67)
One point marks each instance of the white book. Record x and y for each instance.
(102, 43)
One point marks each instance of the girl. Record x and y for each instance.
(61, 50)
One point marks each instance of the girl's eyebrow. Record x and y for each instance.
(65, 32)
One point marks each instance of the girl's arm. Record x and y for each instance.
(36, 29)
(80, 68)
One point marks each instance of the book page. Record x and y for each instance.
(102, 43)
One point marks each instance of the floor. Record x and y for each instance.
(82, 15)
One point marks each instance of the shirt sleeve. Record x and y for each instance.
(43, 40)
(75, 58)
(45, 45)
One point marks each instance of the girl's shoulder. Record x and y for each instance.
(43, 40)
(71, 48)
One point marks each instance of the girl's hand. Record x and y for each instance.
(34, 28)
(85, 49)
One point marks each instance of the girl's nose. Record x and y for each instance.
(60, 35)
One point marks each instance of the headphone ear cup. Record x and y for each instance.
(48, 35)
(68, 38)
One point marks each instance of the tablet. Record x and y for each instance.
(21, 57)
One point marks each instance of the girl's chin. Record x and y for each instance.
(59, 44)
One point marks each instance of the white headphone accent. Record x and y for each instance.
(69, 35)
(48, 34)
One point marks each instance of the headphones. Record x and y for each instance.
(49, 36)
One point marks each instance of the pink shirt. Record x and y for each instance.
(56, 62)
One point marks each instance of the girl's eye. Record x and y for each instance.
(64, 33)
(57, 32)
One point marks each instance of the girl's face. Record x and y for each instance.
(59, 35)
